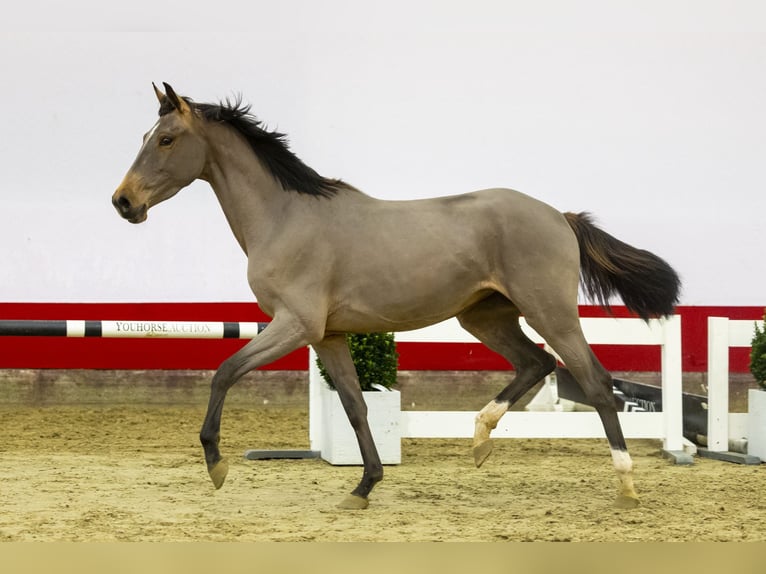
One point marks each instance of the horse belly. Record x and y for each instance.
(410, 293)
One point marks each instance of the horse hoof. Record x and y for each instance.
(627, 502)
(481, 452)
(218, 473)
(354, 502)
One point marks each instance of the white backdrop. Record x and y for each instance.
(650, 114)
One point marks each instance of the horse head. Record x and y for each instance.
(172, 156)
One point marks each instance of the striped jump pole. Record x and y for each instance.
(131, 329)
(150, 330)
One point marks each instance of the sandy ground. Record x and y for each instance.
(135, 473)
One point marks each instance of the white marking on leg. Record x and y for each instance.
(623, 464)
(487, 419)
(622, 461)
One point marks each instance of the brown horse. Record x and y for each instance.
(324, 259)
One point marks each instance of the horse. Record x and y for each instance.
(325, 260)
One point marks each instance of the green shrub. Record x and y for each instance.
(758, 355)
(375, 359)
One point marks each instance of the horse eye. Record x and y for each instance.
(166, 141)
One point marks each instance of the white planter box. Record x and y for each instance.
(756, 423)
(339, 445)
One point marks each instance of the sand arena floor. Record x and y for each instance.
(135, 472)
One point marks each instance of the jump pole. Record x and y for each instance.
(131, 329)
(149, 330)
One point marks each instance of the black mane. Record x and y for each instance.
(270, 147)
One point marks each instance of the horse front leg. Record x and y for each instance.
(336, 357)
(281, 337)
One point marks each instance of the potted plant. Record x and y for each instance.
(376, 361)
(756, 398)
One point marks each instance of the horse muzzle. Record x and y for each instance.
(134, 213)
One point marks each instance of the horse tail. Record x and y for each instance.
(647, 285)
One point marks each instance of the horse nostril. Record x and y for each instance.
(122, 203)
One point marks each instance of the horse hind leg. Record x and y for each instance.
(597, 385)
(495, 322)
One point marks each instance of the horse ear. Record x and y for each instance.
(158, 93)
(178, 103)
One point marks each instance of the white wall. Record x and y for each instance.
(650, 114)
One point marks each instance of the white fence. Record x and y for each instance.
(666, 425)
(723, 334)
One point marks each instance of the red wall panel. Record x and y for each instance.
(91, 353)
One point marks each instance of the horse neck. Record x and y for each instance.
(249, 195)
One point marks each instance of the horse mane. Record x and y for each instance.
(271, 147)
